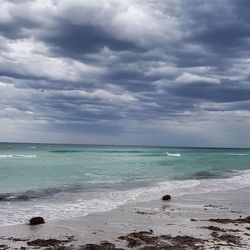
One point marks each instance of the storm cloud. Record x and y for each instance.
(125, 72)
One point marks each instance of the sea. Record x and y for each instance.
(66, 181)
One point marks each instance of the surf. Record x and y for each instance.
(173, 154)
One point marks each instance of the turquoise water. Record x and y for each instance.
(39, 179)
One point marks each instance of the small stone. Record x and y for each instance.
(166, 197)
(37, 221)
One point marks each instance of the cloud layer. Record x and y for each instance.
(126, 72)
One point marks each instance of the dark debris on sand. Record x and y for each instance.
(46, 243)
(104, 245)
(51, 243)
(145, 213)
(227, 221)
(54, 244)
(213, 228)
(218, 229)
(13, 239)
(228, 239)
(3, 247)
(59, 248)
(147, 241)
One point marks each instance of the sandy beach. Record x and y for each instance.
(217, 220)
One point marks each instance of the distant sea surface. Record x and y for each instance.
(65, 181)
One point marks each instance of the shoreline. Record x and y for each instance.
(178, 223)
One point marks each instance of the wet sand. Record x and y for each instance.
(218, 220)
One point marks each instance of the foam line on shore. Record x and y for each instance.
(82, 204)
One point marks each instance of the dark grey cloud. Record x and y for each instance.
(116, 68)
(71, 39)
(226, 92)
(18, 28)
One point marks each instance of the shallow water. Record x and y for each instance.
(63, 181)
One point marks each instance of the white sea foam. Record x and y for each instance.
(11, 197)
(26, 156)
(6, 156)
(11, 156)
(173, 154)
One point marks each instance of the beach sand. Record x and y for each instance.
(217, 220)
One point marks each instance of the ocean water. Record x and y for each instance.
(65, 181)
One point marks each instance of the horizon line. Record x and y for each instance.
(123, 145)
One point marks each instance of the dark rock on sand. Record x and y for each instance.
(166, 197)
(37, 221)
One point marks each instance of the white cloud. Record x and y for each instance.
(191, 78)
(129, 20)
(100, 94)
(32, 58)
(34, 11)
(162, 71)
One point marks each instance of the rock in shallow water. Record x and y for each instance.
(37, 221)
(166, 197)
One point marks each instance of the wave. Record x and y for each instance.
(121, 151)
(39, 193)
(81, 202)
(62, 151)
(212, 174)
(6, 156)
(237, 154)
(26, 156)
(84, 202)
(11, 156)
(131, 152)
(173, 154)
(236, 180)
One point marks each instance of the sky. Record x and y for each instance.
(151, 72)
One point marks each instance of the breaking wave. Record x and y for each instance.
(173, 154)
(11, 156)
(39, 193)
